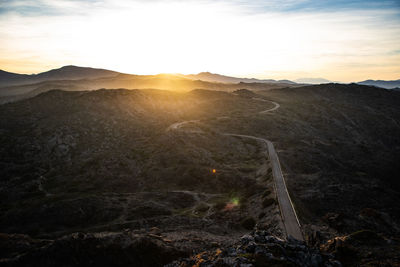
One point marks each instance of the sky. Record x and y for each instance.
(339, 40)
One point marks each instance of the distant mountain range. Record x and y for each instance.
(312, 80)
(15, 87)
(378, 83)
(381, 83)
(64, 73)
(105, 78)
(79, 73)
(212, 77)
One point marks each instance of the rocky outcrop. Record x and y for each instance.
(260, 248)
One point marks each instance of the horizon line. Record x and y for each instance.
(296, 80)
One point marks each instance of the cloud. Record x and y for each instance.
(56, 7)
(49, 7)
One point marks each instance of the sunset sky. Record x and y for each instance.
(340, 40)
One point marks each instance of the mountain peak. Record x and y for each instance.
(71, 67)
(69, 72)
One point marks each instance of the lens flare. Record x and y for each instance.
(234, 202)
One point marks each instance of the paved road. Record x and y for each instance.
(288, 213)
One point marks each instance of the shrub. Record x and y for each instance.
(220, 204)
(365, 237)
(268, 202)
(202, 207)
(248, 223)
(266, 193)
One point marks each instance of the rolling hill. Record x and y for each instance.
(102, 163)
(72, 78)
(212, 77)
(63, 73)
(381, 83)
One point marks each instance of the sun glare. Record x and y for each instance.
(151, 37)
(190, 38)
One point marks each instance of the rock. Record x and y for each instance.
(261, 249)
(316, 260)
(313, 236)
(251, 246)
(155, 231)
(248, 223)
(293, 240)
(246, 239)
(334, 220)
(231, 252)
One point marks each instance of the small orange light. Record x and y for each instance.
(214, 170)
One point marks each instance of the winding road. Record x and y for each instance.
(288, 213)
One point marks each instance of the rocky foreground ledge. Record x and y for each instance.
(128, 248)
(259, 248)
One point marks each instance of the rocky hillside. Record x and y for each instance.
(339, 146)
(134, 248)
(106, 163)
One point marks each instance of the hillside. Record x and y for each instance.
(15, 87)
(107, 151)
(212, 77)
(63, 73)
(381, 83)
(98, 162)
(127, 81)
